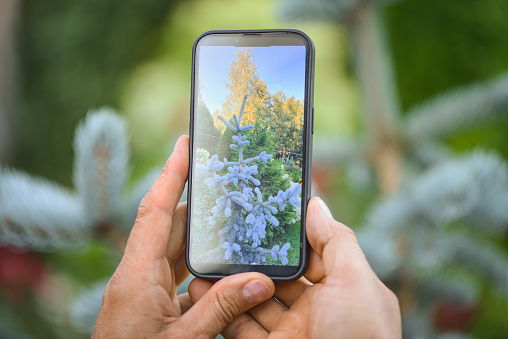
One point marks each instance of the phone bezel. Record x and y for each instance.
(279, 273)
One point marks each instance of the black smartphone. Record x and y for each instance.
(250, 133)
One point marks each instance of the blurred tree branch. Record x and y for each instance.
(436, 212)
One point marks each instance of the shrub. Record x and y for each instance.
(243, 209)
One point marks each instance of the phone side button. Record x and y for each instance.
(312, 120)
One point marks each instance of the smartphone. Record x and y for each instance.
(251, 129)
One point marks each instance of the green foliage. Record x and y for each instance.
(223, 150)
(95, 262)
(244, 80)
(202, 155)
(279, 173)
(278, 119)
(205, 124)
(244, 211)
(75, 55)
(491, 317)
(295, 172)
(260, 140)
(204, 235)
(286, 124)
(14, 326)
(458, 44)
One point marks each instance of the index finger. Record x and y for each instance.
(150, 235)
(333, 241)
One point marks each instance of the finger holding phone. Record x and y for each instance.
(140, 300)
(338, 297)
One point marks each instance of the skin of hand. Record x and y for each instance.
(338, 297)
(140, 300)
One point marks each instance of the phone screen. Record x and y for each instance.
(248, 153)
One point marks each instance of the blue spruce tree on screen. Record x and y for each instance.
(241, 202)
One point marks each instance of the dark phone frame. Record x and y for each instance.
(278, 273)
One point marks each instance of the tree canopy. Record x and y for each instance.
(278, 116)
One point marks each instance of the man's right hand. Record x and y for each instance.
(339, 296)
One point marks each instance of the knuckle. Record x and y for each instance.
(393, 300)
(145, 207)
(348, 233)
(353, 272)
(112, 291)
(187, 332)
(239, 328)
(180, 215)
(301, 291)
(226, 307)
(389, 298)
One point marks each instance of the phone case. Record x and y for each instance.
(307, 159)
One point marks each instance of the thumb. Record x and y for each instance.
(216, 306)
(333, 241)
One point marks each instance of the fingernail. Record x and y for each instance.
(255, 291)
(324, 209)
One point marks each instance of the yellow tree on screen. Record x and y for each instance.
(280, 116)
(243, 79)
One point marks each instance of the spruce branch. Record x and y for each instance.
(38, 214)
(418, 325)
(138, 191)
(430, 152)
(101, 163)
(378, 238)
(131, 201)
(415, 220)
(458, 288)
(456, 189)
(484, 259)
(85, 307)
(458, 109)
(241, 201)
(490, 212)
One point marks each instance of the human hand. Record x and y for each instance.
(140, 299)
(338, 297)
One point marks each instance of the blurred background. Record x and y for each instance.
(411, 145)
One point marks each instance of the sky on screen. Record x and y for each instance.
(281, 67)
